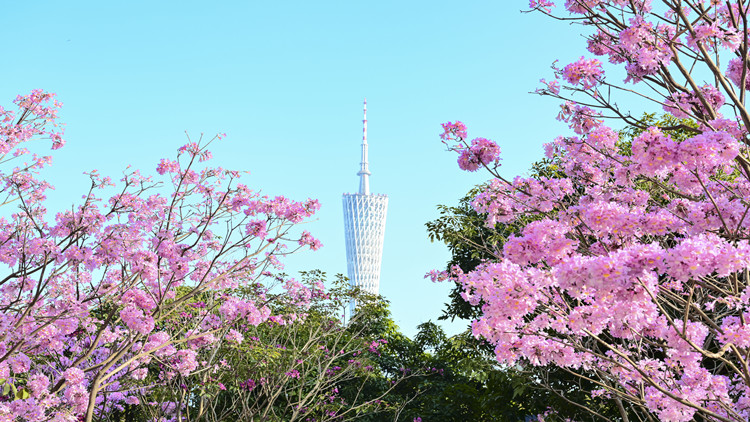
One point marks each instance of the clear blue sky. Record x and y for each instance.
(285, 80)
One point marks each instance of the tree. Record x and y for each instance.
(632, 272)
(452, 378)
(538, 388)
(89, 298)
(291, 367)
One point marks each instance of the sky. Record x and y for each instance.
(285, 80)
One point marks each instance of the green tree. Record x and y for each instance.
(455, 378)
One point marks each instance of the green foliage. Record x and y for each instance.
(9, 389)
(454, 379)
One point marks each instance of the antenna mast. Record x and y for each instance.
(364, 171)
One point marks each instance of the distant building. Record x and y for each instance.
(364, 228)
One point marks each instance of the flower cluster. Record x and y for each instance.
(306, 239)
(481, 152)
(582, 119)
(545, 5)
(453, 131)
(734, 73)
(586, 72)
(706, 101)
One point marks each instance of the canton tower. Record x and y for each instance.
(364, 228)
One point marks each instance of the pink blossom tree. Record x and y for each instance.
(633, 272)
(86, 297)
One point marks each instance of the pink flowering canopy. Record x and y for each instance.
(86, 295)
(634, 272)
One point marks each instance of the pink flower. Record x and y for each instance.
(582, 119)
(248, 385)
(77, 396)
(234, 336)
(453, 131)
(552, 87)
(307, 239)
(734, 73)
(257, 228)
(38, 384)
(643, 47)
(293, 373)
(481, 151)
(185, 362)
(139, 298)
(588, 73)
(168, 166)
(683, 105)
(139, 374)
(654, 153)
(708, 151)
(136, 320)
(545, 239)
(711, 36)
(74, 376)
(545, 5)
(19, 363)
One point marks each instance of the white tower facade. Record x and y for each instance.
(364, 227)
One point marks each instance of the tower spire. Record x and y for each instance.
(364, 171)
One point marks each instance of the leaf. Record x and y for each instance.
(22, 394)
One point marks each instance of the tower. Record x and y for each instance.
(364, 227)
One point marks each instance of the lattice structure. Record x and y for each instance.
(364, 225)
(364, 228)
